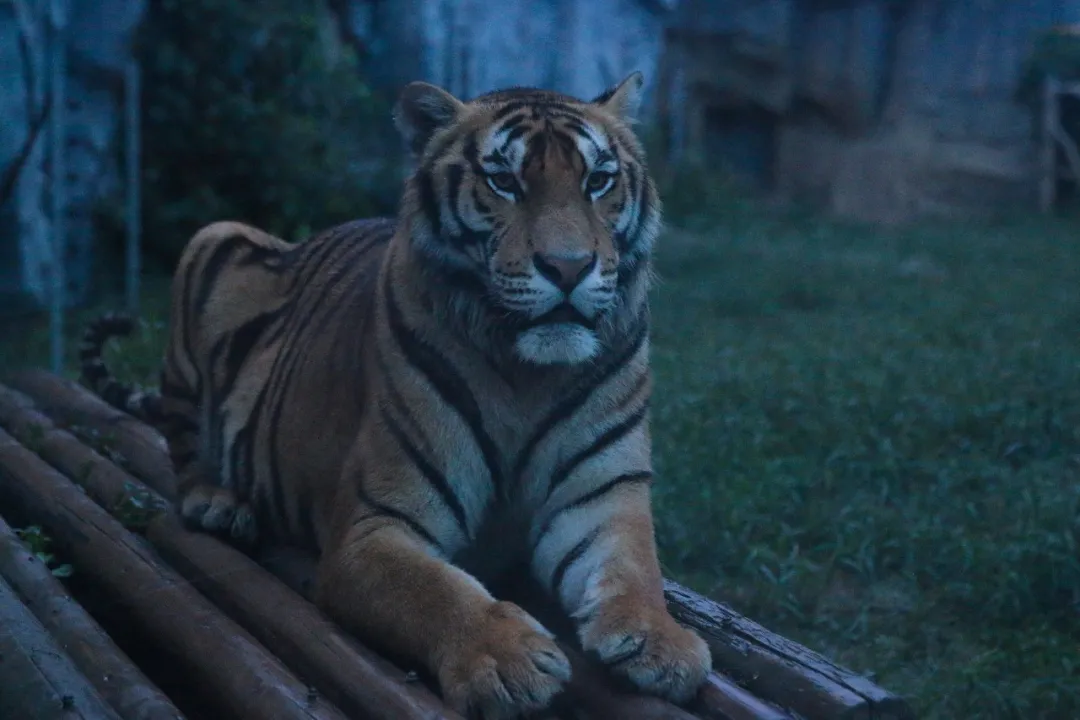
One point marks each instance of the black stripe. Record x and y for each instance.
(326, 248)
(448, 383)
(396, 400)
(239, 345)
(435, 478)
(221, 254)
(626, 239)
(643, 476)
(496, 157)
(604, 156)
(469, 282)
(466, 235)
(267, 530)
(562, 110)
(437, 152)
(293, 351)
(178, 422)
(506, 109)
(514, 123)
(580, 130)
(481, 207)
(185, 322)
(570, 558)
(537, 148)
(241, 341)
(627, 655)
(471, 153)
(566, 409)
(514, 134)
(181, 459)
(176, 392)
(258, 254)
(309, 538)
(607, 439)
(429, 204)
(395, 514)
(242, 453)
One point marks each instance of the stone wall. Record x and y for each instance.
(876, 109)
(880, 109)
(469, 47)
(100, 32)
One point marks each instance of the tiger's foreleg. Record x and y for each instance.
(598, 558)
(387, 583)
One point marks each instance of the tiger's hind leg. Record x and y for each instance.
(216, 509)
(203, 504)
(225, 278)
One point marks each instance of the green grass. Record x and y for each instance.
(870, 441)
(867, 440)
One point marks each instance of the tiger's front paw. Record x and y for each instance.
(648, 648)
(215, 509)
(507, 666)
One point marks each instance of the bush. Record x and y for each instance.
(255, 112)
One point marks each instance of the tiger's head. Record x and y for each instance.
(535, 206)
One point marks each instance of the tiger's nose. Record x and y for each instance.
(565, 270)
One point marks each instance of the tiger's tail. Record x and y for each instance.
(144, 405)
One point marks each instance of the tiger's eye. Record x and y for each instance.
(597, 181)
(504, 181)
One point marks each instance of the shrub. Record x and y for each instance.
(255, 112)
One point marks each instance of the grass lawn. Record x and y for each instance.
(868, 440)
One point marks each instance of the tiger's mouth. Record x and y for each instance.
(564, 312)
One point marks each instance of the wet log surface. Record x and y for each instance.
(37, 678)
(61, 445)
(109, 670)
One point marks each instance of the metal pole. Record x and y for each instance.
(134, 201)
(59, 183)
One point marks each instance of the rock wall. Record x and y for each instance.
(580, 47)
(878, 109)
(99, 33)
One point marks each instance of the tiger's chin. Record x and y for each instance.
(557, 343)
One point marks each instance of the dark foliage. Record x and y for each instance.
(255, 112)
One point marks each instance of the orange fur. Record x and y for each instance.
(432, 401)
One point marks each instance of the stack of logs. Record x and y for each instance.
(239, 637)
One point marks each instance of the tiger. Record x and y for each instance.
(431, 399)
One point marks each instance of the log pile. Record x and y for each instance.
(221, 634)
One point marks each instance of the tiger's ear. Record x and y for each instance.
(624, 99)
(422, 110)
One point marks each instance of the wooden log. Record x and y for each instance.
(761, 663)
(591, 692)
(351, 676)
(40, 680)
(225, 662)
(109, 670)
(719, 699)
(131, 443)
(784, 672)
(722, 699)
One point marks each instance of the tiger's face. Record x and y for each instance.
(540, 201)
